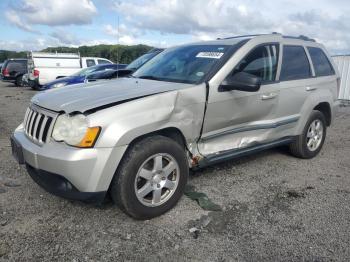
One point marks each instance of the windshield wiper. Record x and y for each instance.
(150, 77)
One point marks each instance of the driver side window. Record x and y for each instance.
(261, 62)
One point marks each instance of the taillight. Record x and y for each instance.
(36, 73)
(5, 72)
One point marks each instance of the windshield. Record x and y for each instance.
(138, 62)
(86, 71)
(185, 64)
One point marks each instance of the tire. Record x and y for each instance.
(35, 86)
(299, 148)
(18, 81)
(129, 179)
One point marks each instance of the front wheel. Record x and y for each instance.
(310, 142)
(151, 177)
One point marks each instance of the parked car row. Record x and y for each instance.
(46, 67)
(43, 71)
(105, 71)
(41, 67)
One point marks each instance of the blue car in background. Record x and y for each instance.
(128, 70)
(80, 76)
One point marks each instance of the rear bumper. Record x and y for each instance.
(60, 186)
(7, 79)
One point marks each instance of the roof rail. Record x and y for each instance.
(301, 37)
(239, 36)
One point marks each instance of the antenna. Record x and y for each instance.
(118, 41)
(118, 3)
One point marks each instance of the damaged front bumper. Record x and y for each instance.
(73, 173)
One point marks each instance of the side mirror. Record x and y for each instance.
(241, 81)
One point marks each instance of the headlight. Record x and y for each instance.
(75, 131)
(59, 84)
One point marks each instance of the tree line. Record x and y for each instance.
(117, 53)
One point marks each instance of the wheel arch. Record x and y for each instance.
(171, 132)
(325, 109)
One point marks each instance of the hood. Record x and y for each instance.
(68, 79)
(84, 97)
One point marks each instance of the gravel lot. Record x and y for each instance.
(275, 208)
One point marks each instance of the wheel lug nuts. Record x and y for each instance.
(163, 178)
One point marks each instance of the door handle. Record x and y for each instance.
(310, 88)
(268, 96)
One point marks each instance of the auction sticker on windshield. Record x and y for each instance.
(212, 55)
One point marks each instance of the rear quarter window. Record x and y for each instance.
(295, 64)
(320, 62)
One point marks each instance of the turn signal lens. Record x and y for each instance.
(90, 137)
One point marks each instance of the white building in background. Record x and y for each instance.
(343, 63)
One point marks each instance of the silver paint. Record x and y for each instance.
(136, 107)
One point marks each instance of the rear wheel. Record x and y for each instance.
(310, 142)
(18, 81)
(151, 177)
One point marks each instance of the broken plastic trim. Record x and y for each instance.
(252, 128)
(235, 153)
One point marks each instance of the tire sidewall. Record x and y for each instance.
(18, 81)
(316, 115)
(128, 175)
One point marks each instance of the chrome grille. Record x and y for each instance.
(38, 124)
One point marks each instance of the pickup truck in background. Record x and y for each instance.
(46, 67)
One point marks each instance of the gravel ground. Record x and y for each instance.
(275, 208)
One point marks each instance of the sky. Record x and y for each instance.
(37, 24)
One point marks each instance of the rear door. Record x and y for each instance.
(295, 84)
(237, 119)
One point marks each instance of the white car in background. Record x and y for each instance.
(46, 67)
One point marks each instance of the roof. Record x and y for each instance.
(50, 55)
(275, 36)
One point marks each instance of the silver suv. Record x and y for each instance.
(191, 106)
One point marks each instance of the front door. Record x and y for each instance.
(237, 119)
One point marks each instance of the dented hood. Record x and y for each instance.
(89, 96)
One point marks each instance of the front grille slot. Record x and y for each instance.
(37, 124)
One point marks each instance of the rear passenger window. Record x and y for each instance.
(90, 62)
(295, 64)
(102, 61)
(320, 61)
(261, 62)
